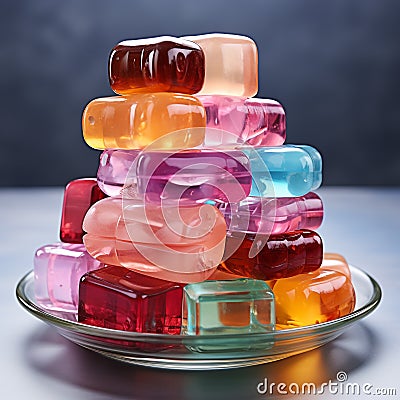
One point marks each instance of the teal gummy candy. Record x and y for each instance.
(237, 308)
(241, 306)
(284, 171)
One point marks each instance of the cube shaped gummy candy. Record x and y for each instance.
(231, 63)
(160, 64)
(118, 298)
(240, 306)
(57, 269)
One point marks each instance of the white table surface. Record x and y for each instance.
(37, 363)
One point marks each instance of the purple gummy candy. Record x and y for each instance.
(193, 176)
(113, 169)
(274, 215)
(239, 120)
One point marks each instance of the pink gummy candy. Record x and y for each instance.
(274, 215)
(238, 120)
(178, 244)
(58, 268)
(114, 168)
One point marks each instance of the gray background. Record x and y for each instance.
(333, 65)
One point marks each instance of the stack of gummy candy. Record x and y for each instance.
(200, 221)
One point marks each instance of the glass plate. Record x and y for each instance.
(207, 351)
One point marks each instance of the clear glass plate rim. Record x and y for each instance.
(277, 335)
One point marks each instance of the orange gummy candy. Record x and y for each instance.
(319, 296)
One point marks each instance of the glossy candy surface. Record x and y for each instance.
(319, 296)
(113, 171)
(160, 64)
(336, 262)
(240, 120)
(194, 175)
(274, 215)
(58, 268)
(279, 256)
(79, 195)
(118, 298)
(175, 121)
(190, 176)
(231, 64)
(284, 171)
(180, 244)
(221, 307)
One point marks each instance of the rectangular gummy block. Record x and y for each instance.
(274, 256)
(118, 298)
(188, 175)
(193, 176)
(163, 120)
(274, 216)
(239, 306)
(160, 64)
